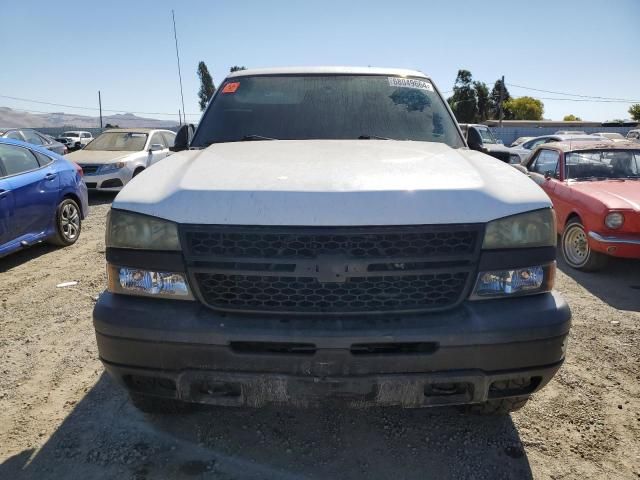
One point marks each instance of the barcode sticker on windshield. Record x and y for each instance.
(410, 83)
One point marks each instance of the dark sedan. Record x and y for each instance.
(34, 138)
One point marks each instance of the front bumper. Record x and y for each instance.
(187, 351)
(620, 245)
(97, 181)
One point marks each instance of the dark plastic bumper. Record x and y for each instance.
(187, 351)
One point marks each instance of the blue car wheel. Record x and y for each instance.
(68, 223)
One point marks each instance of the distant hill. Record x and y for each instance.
(17, 118)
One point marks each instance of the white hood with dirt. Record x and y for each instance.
(331, 183)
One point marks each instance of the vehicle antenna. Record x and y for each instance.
(175, 36)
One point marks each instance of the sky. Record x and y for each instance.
(64, 52)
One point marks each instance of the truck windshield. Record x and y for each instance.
(302, 107)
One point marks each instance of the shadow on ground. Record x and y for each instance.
(618, 284)
(23, 256)
(101, 198)
(105, 437)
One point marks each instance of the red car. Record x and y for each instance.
(595, 189)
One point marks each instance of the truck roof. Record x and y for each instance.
(328, 71)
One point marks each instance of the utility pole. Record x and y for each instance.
(179, 117)
(100, 105)
(501, 101)
(175, 36)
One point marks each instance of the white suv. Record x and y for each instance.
(76, 139)
(328, 235)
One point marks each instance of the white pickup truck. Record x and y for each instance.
(327, 235)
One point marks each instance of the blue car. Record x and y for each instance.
(42, 197)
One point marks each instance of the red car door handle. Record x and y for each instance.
(50, 176)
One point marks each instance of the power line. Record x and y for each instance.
(574, 94)
(87, 108)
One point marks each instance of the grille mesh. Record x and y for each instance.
(331, 270)
(357, 245)
(306, 294)
(89, 169)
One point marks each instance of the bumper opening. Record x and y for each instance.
(393, 348)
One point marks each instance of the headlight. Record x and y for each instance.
(514, 282)
(614, 220)
(136, 281)
(112, 167)
(525, 230)
(133, 230)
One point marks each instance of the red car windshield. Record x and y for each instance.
(602, 164)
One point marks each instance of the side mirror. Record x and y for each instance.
(155, 147)
(183, 138)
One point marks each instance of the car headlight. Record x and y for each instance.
(112, 167)
(525, 230)
(614, 220)
(137, 231)
(147, 283)
(511, 282)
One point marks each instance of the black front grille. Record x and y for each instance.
(309, 245)
(331, 270)
(90, 169)
(306, 294)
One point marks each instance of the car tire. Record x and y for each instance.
(137, 171)
(68, 223)
(576, 251)
(502, 406)
(159, 405)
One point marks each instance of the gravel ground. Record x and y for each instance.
(62, 417)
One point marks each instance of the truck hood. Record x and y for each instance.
(331, 183)
(95, 157)
(614, 194)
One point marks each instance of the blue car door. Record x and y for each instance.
(6, 210)
(34, 187)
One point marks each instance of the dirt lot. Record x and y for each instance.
(61, 417)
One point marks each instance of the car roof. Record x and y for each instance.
(37, 148)
(328, 71)
(136, 130)
(578, 145)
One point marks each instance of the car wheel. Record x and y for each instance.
(138, 171)
(68, 223)
(576, 250)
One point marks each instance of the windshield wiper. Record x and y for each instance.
(248, 138)
(372, 137)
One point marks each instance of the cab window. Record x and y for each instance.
(546, 161)
(157, 138)
(17, 160)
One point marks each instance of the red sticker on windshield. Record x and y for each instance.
(231, 87)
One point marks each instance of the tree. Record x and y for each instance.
(525, 108)
(494, 102)
(482, 97)
(236, 68)
(463, 102)
(634, 111)
(571, 118)
(207, 88)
